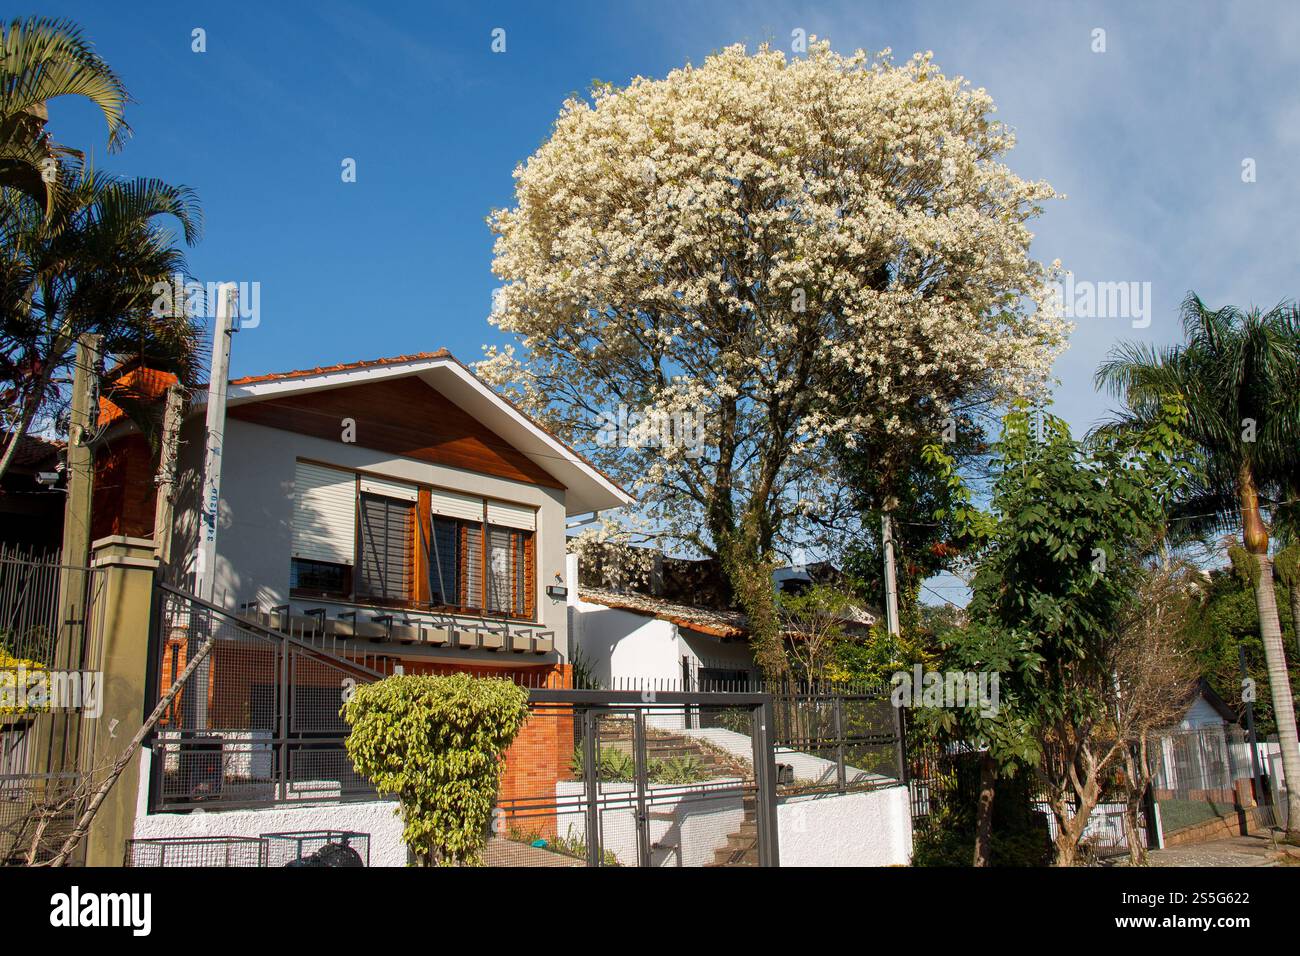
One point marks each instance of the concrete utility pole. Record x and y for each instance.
(891, 574)
(205, 552)
(210, 501)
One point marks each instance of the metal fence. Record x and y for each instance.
(1205, 773)
(258, 722)
(828, 737)
(625, 778)
(51, 637)
(308, 848)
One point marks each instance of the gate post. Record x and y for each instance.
(762, 717)
(591, 783)
(642, 774)
(127, 599)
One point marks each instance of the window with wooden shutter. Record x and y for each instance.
(444, 554)
(471, 564)
(387, 557)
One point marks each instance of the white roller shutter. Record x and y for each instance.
(448, 504)
(324, 514)
(389, 489)
(511, 516)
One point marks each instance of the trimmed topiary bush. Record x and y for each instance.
(436, 743)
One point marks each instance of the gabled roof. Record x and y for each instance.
(587, 488)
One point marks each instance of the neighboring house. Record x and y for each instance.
(398, 500)
(1205, 708)
(32, 496)
(655, 634)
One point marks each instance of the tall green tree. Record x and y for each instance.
(1238, 373)
(1061, 549)
(90, 267)
(42, 59)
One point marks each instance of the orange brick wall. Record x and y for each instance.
(124, 489)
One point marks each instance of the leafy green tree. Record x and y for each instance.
(1226, 617)
(1062, 546)
(436, 743)
(89, 267)
(1238, 374)
(42, 59)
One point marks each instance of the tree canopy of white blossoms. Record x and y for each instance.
(794, 250)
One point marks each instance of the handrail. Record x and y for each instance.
(261, 630)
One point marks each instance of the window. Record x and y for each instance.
(459, 576)
(357, 536)
(444, 549)
(323, 530)
(386, 567)
(507, 592)
(320, 577)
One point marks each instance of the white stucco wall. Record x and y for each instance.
(378, 818)
(624, 646)
(873, 828)
(621, 645)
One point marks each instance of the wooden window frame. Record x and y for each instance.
(422, 530)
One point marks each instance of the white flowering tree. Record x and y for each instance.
(725, 247)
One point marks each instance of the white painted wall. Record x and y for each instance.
(622, 645)
(377, 817)
(873, 828)
(1200, 714)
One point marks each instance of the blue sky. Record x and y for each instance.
(1146, 139)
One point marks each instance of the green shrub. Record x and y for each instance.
(436, 744)
(619, 766)
(684, 769)
(616, 766)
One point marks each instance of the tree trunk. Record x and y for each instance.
(1295, 612)
(1279, 681)
(984, 811)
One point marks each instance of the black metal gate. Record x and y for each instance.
(629, 778)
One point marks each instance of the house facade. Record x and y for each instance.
(377, 517)
(397, 502)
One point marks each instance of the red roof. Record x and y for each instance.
(142, 384)
(343, 367)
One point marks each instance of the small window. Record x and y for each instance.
(320, 577)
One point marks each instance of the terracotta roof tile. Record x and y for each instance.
(342, 367)
(141, 384)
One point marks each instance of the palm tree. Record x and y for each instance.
(90, 267)
(1238, 373)
(42, 59)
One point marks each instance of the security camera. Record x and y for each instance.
(47, 478)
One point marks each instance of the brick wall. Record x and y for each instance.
(124, 489)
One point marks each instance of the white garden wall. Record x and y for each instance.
(872, 828)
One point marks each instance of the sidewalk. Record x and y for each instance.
(1256, 850)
